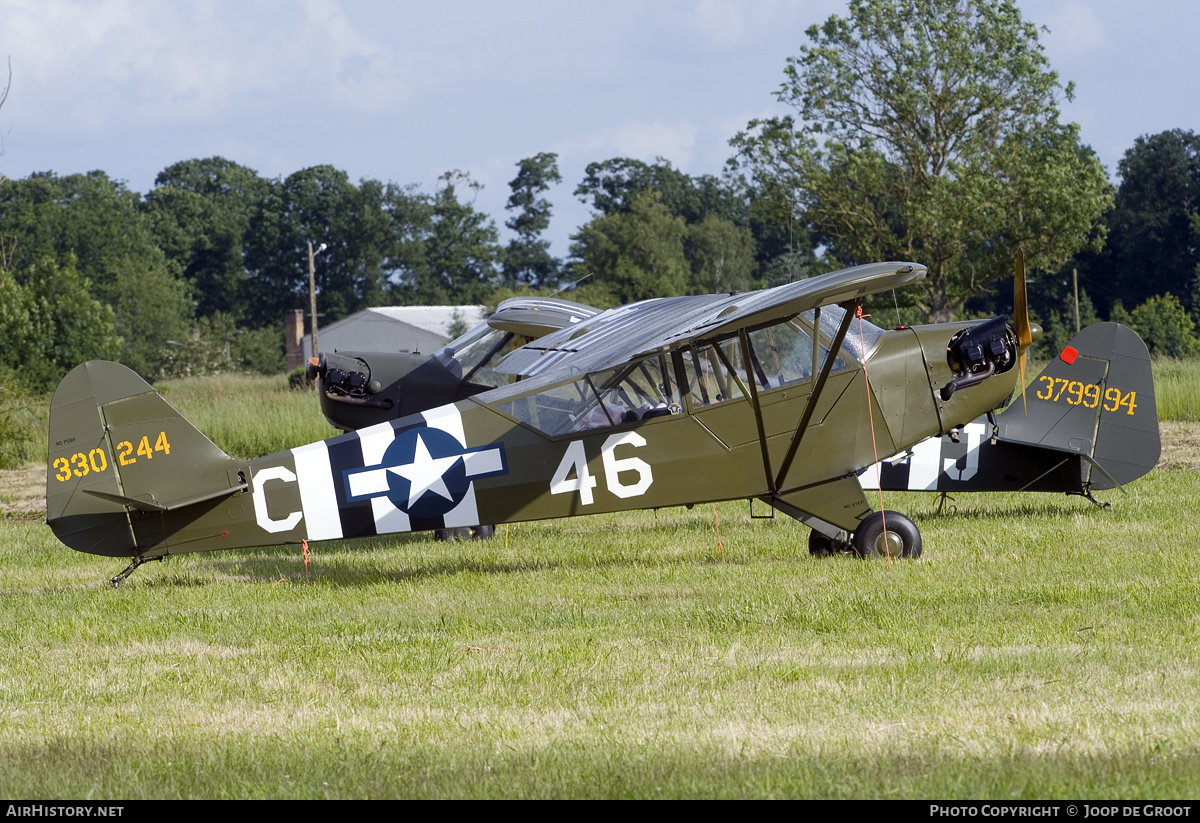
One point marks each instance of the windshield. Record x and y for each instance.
(475, 352)
(861, 338)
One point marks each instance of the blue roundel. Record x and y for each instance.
(427, 476)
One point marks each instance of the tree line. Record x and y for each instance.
(926, 131)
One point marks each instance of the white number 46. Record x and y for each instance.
(574, 462)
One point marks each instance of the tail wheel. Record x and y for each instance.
(887, 534)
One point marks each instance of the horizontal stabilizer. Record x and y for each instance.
(161, 506)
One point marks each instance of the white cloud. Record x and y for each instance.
(180, 62)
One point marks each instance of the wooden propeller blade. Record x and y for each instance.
(1021, 322)
(1021, 305)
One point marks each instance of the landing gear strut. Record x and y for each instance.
(131, 568)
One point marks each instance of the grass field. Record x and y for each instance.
(1042, 648)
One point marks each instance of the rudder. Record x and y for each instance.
(1095, 399)
(121, 457)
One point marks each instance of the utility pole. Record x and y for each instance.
(312, 290)
(1075, 275)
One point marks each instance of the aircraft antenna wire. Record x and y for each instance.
(874, 446)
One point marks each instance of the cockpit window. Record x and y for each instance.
(472, 355)
(632, 392)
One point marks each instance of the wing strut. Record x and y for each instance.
(851, 308)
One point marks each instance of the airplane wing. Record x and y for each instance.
(535, 317)
(627, 332)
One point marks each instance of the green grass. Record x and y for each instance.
(249, 416)
(1177, 389)
(1043, 648)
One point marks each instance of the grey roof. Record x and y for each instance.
(433, 319)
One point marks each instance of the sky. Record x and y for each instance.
(404, 90)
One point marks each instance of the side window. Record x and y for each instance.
(783, 353)
(708, 374)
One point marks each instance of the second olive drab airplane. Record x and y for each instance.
(783, 395)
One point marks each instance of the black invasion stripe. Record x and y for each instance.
(357, 518)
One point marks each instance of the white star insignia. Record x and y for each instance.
(425, 472)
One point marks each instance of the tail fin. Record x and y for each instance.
(1096, 400)
(1091, 424)
(122, 462)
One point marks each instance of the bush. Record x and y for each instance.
(1164, 324)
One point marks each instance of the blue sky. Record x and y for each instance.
(402, 91)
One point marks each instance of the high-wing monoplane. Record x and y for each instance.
(783, 395)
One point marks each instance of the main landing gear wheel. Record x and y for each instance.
(820, 545)
(465, 533)
(901, 538)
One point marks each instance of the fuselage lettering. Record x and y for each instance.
(572, 474)
(265, 521)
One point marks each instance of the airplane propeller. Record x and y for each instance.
(1021, 324)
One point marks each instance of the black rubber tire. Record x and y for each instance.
(902, 535)
(464, 533)
(819, 545)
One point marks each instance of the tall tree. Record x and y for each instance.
(319, 205)
(527, 259)
(201, 212)
(50, 322)
(460, 249)
(637, 254)
(718, 240)
(721, 255)
(929, 131)
(98, 226)
(1154, 228)
(612, 186)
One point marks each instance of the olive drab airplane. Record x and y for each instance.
(784, 395)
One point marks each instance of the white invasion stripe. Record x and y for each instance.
(448, 419)
(465, 513)
(869, 479)
(317, 495)
(926, 465)
(375, 441)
